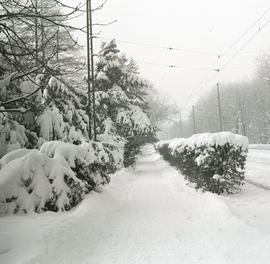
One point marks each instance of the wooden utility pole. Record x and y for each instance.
(57, 45)
(90, 59)
(88, 67)
(42, 35)
(219, 108)
(180, 125)
(92, 70)
(194, 120)
(36, 32)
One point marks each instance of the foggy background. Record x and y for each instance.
(204, 36)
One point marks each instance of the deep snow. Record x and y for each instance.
(147, 216)
(258, 166)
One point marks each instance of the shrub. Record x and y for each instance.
(55, 178)
(214, 162)
(91, 162)
(36, 183)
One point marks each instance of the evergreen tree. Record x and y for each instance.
(122, 92)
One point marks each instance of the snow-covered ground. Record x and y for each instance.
(147, 216)
(258, 165)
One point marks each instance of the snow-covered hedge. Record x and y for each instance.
(56, 177)
(213, 162)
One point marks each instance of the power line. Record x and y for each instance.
(173, 66)
(245, 32)
(189, 67)
(236, 41)
(162, 47)
(245, 44)
(240, 49)
(234, 55)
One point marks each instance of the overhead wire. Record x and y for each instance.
(245, 32)
(210, 69)
(245, 44)
(217, 70)
(173, 66)
(161, 47)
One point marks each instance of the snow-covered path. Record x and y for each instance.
(144, 216)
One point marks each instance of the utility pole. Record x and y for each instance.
(88, 68)
(92, 71)
(57, 45)
(42, 35)
(219, 108)
(36, 32)
(194, 121)
(180, 125)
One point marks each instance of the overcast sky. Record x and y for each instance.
(208, 26)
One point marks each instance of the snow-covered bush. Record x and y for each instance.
(214, 162)
(57, 177)
(88, 161)
(36, 183)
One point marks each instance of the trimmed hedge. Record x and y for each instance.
(213, 162)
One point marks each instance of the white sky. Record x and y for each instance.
(205, 26)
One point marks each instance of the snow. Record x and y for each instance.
(139, 118)
(218, 139)
(116, 145)
(211, 139)
(13, 155)
(207, 139)
(258, 166)
(67, 151)
(259, 146)
(135, 117)
(117, 95)
(148, 215)
(12, 137)
(51, 122)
